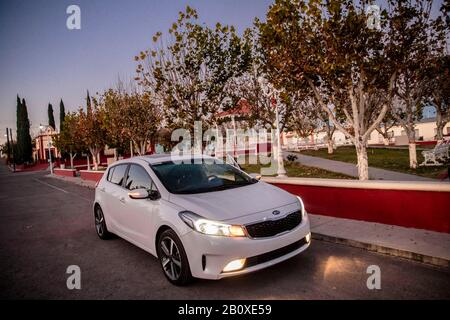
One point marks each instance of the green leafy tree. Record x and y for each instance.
(92, 132)
(70, 139)
(51, 118)
(330, 49)
(88, 103)
(18, 150)
(62, 115)
(24, 148)
(27, 141)
(437, 75)
(439, 92)
(188, 75)
(131, 116)
(415, 42)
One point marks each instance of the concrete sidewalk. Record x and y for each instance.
(351, 169)
(421, 245)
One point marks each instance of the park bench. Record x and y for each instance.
(306, 146)
(438, 156)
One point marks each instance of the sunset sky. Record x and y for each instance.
(43, 61)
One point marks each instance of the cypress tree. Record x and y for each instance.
(62, 115)
(51, 118)
(88, 103)
(18, 153)
(27, 147)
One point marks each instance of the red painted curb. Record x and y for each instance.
(65, 172)
(91, 175)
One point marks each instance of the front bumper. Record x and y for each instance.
(208, 255)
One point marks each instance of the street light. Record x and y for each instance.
(270, 91)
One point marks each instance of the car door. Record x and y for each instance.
(114, 194)
(136, 221)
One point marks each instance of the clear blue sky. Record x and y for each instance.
(43, 61)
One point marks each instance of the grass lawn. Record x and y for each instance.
(298, 170)
(389, 159)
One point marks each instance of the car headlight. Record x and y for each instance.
(302, 208)
(209, 227)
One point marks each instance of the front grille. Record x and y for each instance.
(271, 228)
(255, 260)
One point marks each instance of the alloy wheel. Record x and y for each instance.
(99, 222)
(171, 259)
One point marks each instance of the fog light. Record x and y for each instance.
(234, 265)
(308, 237)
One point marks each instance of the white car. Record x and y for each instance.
(202, 218)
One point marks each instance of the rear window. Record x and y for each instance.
(117, 173)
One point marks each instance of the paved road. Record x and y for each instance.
(46, 225)
(352, 170)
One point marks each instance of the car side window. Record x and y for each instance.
(110, 173)
(117, 174)
(138, 178)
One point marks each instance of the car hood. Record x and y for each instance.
(233, 203)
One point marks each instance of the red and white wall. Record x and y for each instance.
(422, 205)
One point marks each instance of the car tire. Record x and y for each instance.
(100, 224)
(173, 258)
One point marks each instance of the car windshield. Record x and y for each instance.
(200, 175)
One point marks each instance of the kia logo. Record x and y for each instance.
(276, 212)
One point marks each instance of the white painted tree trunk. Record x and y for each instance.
(330, 146)
(71, 160)
(94, 160)
(412, 148)
(142, 148)
(412, 155)
(95, 153)
(386, 141)
(363, 164)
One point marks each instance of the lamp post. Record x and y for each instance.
(270, 91)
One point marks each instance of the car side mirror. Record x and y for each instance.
(255, 176)
(139, 194)
(154, 195)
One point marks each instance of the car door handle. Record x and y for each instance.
(122, 199)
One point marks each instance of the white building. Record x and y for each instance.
(425, 131)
